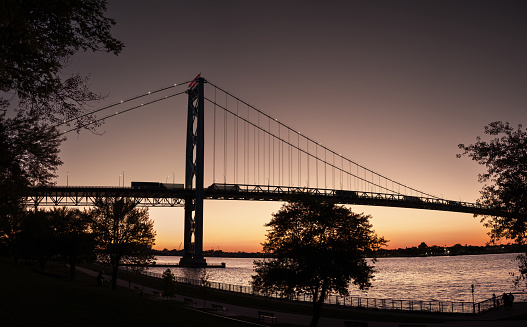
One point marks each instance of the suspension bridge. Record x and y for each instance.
(250, 156)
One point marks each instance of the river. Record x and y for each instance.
(441, 278)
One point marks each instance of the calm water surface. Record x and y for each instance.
(420, 278)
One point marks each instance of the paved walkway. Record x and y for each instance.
(487, 319)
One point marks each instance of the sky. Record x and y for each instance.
(392, 85)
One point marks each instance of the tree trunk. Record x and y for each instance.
(317, 305)
(72, 269)
(114, 277)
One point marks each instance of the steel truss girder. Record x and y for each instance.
(86, 196)
(284, 193)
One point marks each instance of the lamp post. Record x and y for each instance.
(68, 178)
(473, 303)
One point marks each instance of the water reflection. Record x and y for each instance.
(420, 278)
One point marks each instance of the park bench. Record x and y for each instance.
(190, 302)
(264, 314)
(219, 308)
(350, 323)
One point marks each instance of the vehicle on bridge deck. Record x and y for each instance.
(346, 194)
(157, 186)
(224, 187)
(412, 199)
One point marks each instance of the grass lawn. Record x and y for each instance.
(31, 297)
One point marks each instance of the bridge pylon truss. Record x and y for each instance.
(194, 171)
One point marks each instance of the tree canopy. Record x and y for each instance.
(317, 248)
(29, 155)
(37, 40)
(123, 233)
(505, 183)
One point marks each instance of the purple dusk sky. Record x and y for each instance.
(392, 85)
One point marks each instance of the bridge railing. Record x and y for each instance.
(407, 305)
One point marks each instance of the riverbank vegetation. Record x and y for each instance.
(115, 231)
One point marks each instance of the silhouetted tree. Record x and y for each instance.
(423, 248)
(505, 182)
(37, 237)
(28, 156)
(123, 233)
(318, 248)
(73, 240)
(456, 249)
(37, 39)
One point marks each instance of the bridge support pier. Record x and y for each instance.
(194, 169)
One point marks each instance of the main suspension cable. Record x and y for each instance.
(122, 112)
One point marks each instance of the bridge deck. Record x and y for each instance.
(157, 197)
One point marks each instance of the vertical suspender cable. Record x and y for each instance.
(299, 160)
(279, 157)
(334, 170)
(341, 169)
(307, 158)
(269, 150)
(246, 157)
(273, 161)
(258, 131)
(325, 168)
(290, 157)
(236, 144)
(214, 143)
(316, 161)
(225, 142)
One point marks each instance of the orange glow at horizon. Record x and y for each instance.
(234, 226)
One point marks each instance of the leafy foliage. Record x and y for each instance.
(73, 239)
(37, 237)
(318, 248)
(29, 155)
(123, 233)
(37, 39)
(505, 188)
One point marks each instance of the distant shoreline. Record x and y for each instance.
(421, 251)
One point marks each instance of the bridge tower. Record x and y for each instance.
(193, 238)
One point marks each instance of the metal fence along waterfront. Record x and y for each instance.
(364, 302)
